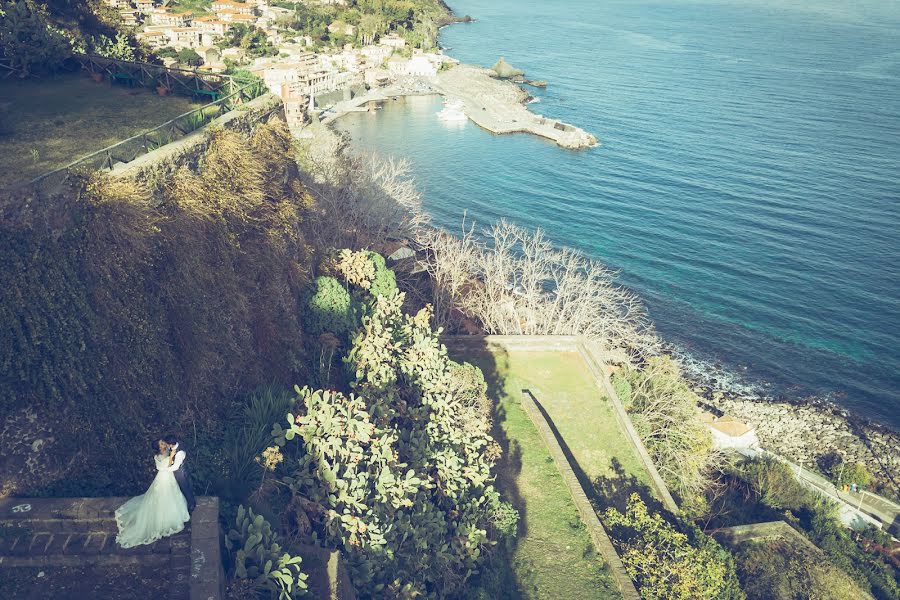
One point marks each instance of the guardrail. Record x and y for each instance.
(180, 81)
(129, 149)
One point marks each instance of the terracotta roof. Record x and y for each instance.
(732, 428)
(725, 424)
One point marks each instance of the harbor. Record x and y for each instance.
(494, 104)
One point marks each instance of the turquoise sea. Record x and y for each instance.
(747, 186)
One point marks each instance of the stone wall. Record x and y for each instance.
(585, 509)
(74, 532)
(598, 369)
(155, 167)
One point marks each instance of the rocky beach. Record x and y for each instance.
(805, 432)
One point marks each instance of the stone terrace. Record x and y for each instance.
(74, 541)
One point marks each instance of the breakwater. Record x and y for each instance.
(498, 106)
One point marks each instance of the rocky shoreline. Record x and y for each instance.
(804, 431)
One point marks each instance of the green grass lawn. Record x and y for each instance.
(582, 415)
(50, 122)
(553, 557)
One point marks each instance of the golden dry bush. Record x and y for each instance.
(230, 183)
(133, 314)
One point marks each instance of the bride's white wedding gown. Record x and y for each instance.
(160, 512)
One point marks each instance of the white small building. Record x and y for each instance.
(144, 6)
(730, 433)
(154, 39)
(241, 19)
(420, 65)
(376, 55)
(377, 77)
(243, 8)
(130, 17)
(211, 25)
(183, 37)
(172, 19)
(235, 54)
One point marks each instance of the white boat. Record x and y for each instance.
(452, 111)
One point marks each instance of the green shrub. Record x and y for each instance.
(774, 483)
(785, 570)
(667, 563)
(468, 386)
(28, 41)
(385, 282)
(367, 270)
(869, 570)
(664, 413)
(131, 317)
(246, 436)
(622, 388)
(392, 477)
(257, 556)
(856, 474)
(331, 309)
(120, 47)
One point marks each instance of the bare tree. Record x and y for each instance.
(362, 200)
(664, 412)
(516, 282)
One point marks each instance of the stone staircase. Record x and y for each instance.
(56, 532)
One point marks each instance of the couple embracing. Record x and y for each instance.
(166, 505)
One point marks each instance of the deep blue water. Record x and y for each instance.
(748, 182)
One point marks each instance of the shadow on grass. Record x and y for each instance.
(499, 579)
(604, 491)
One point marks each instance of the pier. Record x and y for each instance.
(497, 106)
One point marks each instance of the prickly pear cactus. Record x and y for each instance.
(258, 556)
(400, 486)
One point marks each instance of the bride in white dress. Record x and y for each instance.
(160, 512)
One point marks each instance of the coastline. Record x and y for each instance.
(798, 429)
(805, 429)
(497, 105)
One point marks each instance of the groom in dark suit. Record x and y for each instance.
(177, 456)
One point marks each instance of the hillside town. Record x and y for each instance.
(296, 67)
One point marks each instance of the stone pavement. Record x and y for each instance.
(77, 532)
(886, 511)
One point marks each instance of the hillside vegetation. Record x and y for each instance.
(128, 316)
(36, 36)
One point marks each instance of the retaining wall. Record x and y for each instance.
(156, 166)
(588, 515)
(595, 365)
